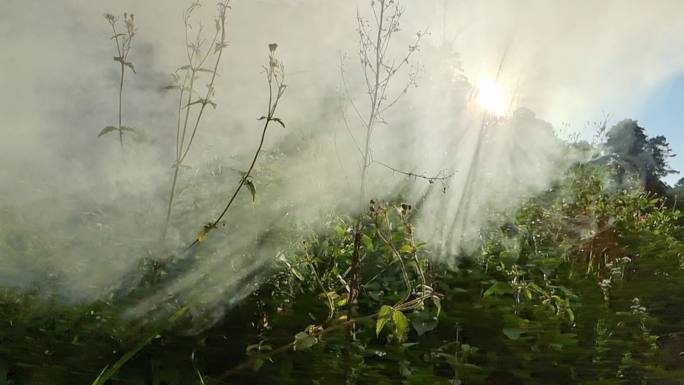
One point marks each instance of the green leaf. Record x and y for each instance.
(220, 46)
(107, 130)
(202, 235)
(130, 129)
(303, 341)
(251, 348)
(258, 363)
(343, 300)
(498, 288)
(367, 242)
(383, 317)
(129, 65)
(527, 293)
(438, 304)
(570, 314)
(512, 333)
(252, 189)
(407, 248)
(279, 121)
(424, 326)
(401, 324)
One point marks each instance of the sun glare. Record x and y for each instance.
(491, 97)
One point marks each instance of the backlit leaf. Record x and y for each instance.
(512, 333)
(303, 341)
(383, 316)
(107, 130)
(252, 189)
(401, 324)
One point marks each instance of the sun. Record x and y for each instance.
(491, 97)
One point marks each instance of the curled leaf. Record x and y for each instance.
(202, 235)
(438, 304)
(220, 46)
(304, 340)
(107, 130)
(252, 189)
(129, 65)
(384, 315)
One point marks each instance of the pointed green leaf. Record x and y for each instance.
(570, 314)
(383, 317)
(220, 46)
(401, 324)
(303, 341)
(252, 189)
(107, 130)
(279, 121)
(498, 288)
(512, 333)
(438, 304)
(129, 65)
(407, 249)
(367, 242)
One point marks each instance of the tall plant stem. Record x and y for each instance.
(358, 233)
(273, 99)
(171, 196)
(121, 84)
(182, 149)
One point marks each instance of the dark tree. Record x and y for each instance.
(635, 151)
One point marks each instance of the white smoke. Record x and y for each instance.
(79, 218)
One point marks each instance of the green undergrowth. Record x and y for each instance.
(581, 286)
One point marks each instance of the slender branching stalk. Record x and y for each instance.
(441, 176)
(122, 41)
(275, 78)
(378, 69)
(189, 99)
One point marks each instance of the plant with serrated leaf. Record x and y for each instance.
(192, 100)
(123, 38)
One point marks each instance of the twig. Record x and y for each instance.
(430, 179)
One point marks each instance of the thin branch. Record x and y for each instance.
(430, 179)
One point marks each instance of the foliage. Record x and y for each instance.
(582, 284)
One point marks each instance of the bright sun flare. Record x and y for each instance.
(491, 97)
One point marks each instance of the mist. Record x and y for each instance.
(89, 214)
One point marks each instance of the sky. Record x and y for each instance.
(662, 113)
